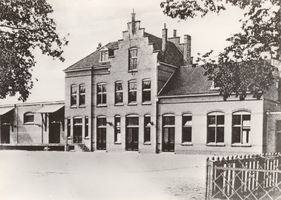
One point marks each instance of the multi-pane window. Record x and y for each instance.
(147, 126)
(132, 133)
(77, 130)
(146, 90)
(73, 100)
(103, 56)
(86, 127)
(215, 129)
(133, 53)
(241, 127)
(117, 134)
(186, 128)
(28, 117)
(68, 127)
(132, 96)
(82, 94)
(101, 93)
(118, 92)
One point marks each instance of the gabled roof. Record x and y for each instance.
(91, 59)
(172, 55)
(188, 80)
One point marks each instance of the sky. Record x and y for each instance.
(89, 22)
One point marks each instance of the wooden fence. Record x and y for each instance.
(244, 177)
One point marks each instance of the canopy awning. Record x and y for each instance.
(3, 111)
(49, 108)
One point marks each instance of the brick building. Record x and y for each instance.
(142, 94)
(32, 126)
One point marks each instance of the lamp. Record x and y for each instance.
(150, 124)
(109, 123)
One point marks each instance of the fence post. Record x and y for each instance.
(209, 179)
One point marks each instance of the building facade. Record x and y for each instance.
(32, 126)
(141, 93)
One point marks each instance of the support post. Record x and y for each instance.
(209, 179)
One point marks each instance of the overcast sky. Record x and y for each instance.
(90, 22)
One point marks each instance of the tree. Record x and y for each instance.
(244, 65)
(25, 26)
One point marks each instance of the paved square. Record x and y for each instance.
(102, 176)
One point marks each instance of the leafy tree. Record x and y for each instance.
(243, 66)
(24, 26)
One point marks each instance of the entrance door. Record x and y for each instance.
(168, 141)
(5, 134)
(132, 139)
(77, 134)
(101, 139)
(54, 133)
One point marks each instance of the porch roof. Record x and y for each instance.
(50, 108)
(3, 111)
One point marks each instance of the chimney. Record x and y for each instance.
(187, 50)
(133, 22)
(175, 33)
(99, 45)
(164, 38)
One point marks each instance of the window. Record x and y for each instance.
(241, 127)
(117, 134)
(82, 94)
(118, 92)
(215, 129)
(132, 92)
(86, 127)
(103, 56)
(73, 100)
(101, 94)
(133, 53)
(146, 90)
(28, 118)
(147, 126)
(186, 128)
(68, 127)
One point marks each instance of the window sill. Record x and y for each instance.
(29, 123)
(73, 107)
(147, 143)
(86, 138)
(216, 144)
(82, 106)
(132, 71)
(241, 145)
(132, 104)
(119, 104)
(101, 105)
(146, 103)
(69, 138)
(186, 144)
(117, 143)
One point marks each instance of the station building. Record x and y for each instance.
(142, 93)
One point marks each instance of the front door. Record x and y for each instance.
(101, 139)
(168, 139)
(54, 134)
(77, 134)
(5, 134)
(132, 139)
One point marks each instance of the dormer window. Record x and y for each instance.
(103, 56)
(133, 53)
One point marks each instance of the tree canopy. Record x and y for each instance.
(24, 26)
(244, 65)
